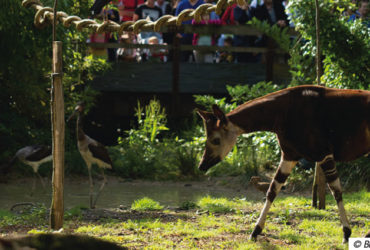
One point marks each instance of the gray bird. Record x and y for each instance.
(34, 156)
(91, 151)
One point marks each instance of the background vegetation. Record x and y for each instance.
(151, 149)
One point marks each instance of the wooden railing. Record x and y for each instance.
(176, 47)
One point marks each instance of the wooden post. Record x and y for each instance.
(318, 188)
(57, 120)
(319, 179)
(175, 74)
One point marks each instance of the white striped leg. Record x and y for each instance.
(282, 173)
(330, 171)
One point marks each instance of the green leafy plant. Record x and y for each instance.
(146, 204)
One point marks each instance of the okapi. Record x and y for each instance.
(319, 124)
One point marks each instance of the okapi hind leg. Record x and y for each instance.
(330, 171)
(282, 173)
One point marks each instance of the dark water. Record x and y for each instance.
(116, 193)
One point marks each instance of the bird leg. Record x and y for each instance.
(91, 189)
(101, 187)
(42, 181)
(33, 184)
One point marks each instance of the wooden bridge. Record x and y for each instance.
(174, 83)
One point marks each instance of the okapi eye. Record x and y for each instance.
(216, 141)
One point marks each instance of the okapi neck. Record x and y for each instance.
(256, 116)
(80, 132)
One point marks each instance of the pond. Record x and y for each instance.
(121, 193)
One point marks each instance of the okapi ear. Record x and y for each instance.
(219, 114)
(204, 114)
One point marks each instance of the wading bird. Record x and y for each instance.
(34, 156)
(322, 125)
(91, 151)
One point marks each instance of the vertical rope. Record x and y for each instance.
(318, 47)
(55, 20)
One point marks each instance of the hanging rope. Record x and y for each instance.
(45, 15)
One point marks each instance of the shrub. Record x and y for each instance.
(146, 204)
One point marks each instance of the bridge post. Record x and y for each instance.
(175, 75)
(270, 54)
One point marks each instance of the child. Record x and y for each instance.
(204, 40)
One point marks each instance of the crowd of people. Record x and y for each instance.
(272, 11)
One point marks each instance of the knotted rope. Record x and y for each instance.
(45, 15)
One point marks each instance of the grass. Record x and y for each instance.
(212, 223)
(145, 204)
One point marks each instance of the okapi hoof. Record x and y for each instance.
(346, 234)
(257, 230)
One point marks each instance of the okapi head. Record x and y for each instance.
(221, 137)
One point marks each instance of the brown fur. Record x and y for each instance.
(319, 124)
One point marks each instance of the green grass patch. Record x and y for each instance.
(291, 224)
(146, 204)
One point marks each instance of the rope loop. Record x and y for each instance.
(67, 22)
(44, 15)
(139, 24)
(160, 22)
(184, 16)
(29, 3)
(126, 26)
(40, 21)
(84, 23)
(202, 9)
(101, 27)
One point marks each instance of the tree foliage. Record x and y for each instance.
(345, 45)
(25, 72)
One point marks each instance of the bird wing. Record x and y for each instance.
(99, 151)
(39, 152)
(98, 6)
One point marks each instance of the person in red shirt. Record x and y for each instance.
(127, 9)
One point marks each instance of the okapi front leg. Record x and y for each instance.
(330, 171)
(282, 173)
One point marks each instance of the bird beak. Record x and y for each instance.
(71, 116)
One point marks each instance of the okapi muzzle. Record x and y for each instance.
(208, 161)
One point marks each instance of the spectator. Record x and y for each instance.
(272, 11)
(107, 37)
(112, 15)
(127, 54)
(166, 10)
(212, 15)
(144, 11)
(204, 40)
(228, 16)
(164, 6)
(362, 13)
(187, 38)
(174, 3)
(127, 9)
(226, 56)
(242, 14)
(156, 55)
